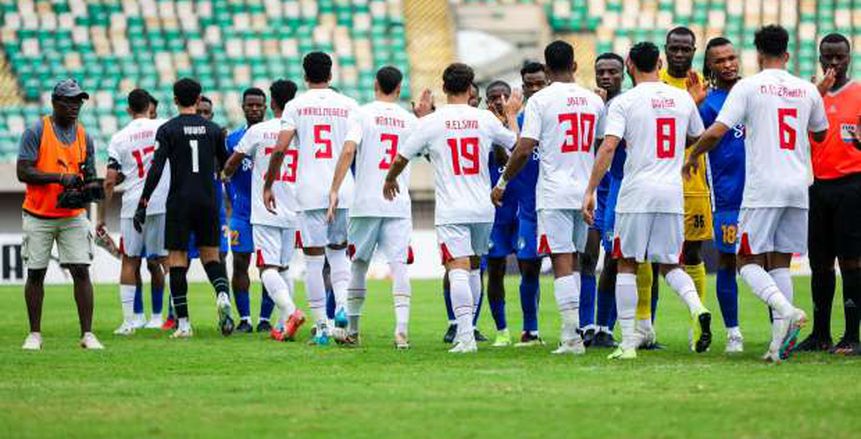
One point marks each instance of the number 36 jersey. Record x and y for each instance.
(130, 153)
(320, 119)
(655, 120)
(379, 129)
(777, 110)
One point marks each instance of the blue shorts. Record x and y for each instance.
(601, 204)
(610, 215)
(527, 240)
(241, 236)
(519, 238)
(726, 231)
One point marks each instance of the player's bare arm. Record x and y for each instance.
(29, 174)
(516, 162)
(391, 188)
(819, 136)
(348, 153)
(284, 139)
(425, 105)
(156, 169)
(511, 106)
(232, 165)
(111, 181)
(707, 142)
(599, 169)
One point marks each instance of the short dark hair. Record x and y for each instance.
(187, 91)
(253, 91)
(531, 67)
(152, 100)
(559, 56)
(771, 40)
(318, 67)
(681, 30)
(139, 100)
(389, 78)
(612, 56)
(835, 38)
(645, 56)
(282, 91)
(457, 78)
(714, 42)
(497, 83)
(206, 99)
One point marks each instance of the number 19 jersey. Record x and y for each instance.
(130, 152)
(320, 119)
(654, 119)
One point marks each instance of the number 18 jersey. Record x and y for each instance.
(130, 152)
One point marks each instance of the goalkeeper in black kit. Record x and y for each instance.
(193, 149)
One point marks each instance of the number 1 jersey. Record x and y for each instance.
(130, 152)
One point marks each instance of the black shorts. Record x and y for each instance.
(183, 220)
(834, 228)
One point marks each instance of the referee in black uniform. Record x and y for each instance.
(194, 146)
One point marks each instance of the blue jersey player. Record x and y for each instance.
(726, 163)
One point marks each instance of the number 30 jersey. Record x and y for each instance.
(379, 129)
(320, 119)
(130, 153)
(777, 110)
(654, 119)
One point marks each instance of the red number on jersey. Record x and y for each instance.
(325, 151)
(581, 132)
(391, 151)
(785, 131)
(139, 155)
(572, 136)
(665, 134)
(289, 174)
(466, 150)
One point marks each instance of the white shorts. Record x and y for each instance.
(655, 237)
(772, 229)
(391, 235)
(148, 244)
(314, 231)
(561, 231)
(463, 240)
(273, 245)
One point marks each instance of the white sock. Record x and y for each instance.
(401, 293)
(183, 324)
(733, 331)
(315, 288)
(783, 280)
(462, 303)
(626, 307)
(339, 273)
(684, 286)
(763, 286)
(644, 324)
(285, 274)
(127, 299)
(278, 291)
(567, 292)
(356, 295)
(474, 288)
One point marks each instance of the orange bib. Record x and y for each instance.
(57, 158)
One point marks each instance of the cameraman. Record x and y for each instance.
(56, 155)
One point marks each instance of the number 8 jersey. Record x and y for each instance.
(130, 152)
(654, 119)
(320, 120)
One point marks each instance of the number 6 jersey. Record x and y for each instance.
(130, 152)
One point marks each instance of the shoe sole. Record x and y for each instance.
(791, 338)
(705, 339)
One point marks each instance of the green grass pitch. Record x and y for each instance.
(248, 386)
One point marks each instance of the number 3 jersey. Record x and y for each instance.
(654, 119)
(258, 143)
(320, 119)
(379, 129)
(563, 118)
(458, 139)
(130, 153)
(777, 110)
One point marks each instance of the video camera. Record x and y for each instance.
(92, 190)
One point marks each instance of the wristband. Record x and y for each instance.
(502, 183)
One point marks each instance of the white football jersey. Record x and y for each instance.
(379, 129)
(777, 110)
(564, 118)
(655, 120)
(132, 148)
(458, 140)
(320, 119)
(258, 143)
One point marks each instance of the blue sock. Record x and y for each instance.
(478, 310)
(588, 286)
(449, 311)
(330, 304)
(529, 289)
(243, 304)
(727, 295)
(139, 299)
(606, 308)
(157, 295)
(497, 310)
(266, 305)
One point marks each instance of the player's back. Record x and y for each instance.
(192, 145)
(380, 129)
(654, 119)
(258, 143)
(130, 152)
(777, 110)
(563, 118)
(320, 118)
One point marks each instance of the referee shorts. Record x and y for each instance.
(834, 227)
